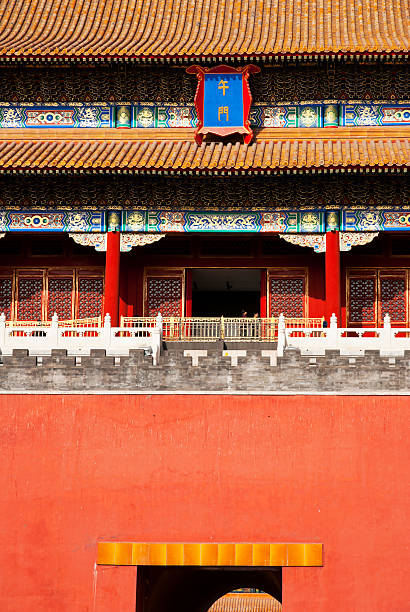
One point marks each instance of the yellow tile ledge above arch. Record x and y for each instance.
(210, 554)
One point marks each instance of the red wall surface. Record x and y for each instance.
(79, 469)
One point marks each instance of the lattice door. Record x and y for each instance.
(6, 296)
(393, 298)
(376, 293)
(287, 295)
(164, 295)
(60, 298)
(30, 293)
(90, 297)
(362, 300)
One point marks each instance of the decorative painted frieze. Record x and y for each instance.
(98, 241)
(211, 221)
(169, 116)
(374, 220)
(159, 221)
(153, 115)
(274, 116)
(364, 114)
(56, 221)
(351, 239)
(57, 116)
(128, 241)
(315, 241)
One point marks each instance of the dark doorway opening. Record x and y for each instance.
(195, 589)
(226, 292)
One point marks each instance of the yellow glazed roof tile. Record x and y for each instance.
(210, 554)
(140, 150)
(151, 28)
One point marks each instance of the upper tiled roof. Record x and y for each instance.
(188, 28)
(152, 150)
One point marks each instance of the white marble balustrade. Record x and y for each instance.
(78, 340)
(350, 341)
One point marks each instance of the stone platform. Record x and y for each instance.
(207, 369)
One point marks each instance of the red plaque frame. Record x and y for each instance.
(245, 129)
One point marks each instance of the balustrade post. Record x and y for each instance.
(158, 322)
(3, 329)
(386, 336)
(156, 344)
(332, 332)
(107, 331)
(53, 338)
(281, 335)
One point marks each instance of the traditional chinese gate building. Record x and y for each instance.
(206, 163)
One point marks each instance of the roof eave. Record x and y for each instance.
(366, 55)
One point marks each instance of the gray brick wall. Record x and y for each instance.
(215, 372)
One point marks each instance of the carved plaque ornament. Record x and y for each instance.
(223, 101)
(127, 241)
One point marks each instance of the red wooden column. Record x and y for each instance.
(188, 292)
(332, 275)
(112, 277)
(263, 308)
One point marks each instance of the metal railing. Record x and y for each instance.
(37, 327)
(231, 329)
(88, 322)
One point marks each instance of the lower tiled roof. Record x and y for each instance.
(236, 602)
(143, 150)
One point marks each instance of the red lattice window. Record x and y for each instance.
(60, 298)
(362, 300)
(6, 296)
(393, 298)
(90, 297)
(164, 295)
(30, 291)
(287, 296)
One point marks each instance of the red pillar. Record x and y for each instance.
(188, 292)
(332, 273)
(263, 308)
(124, 298)
(132, 294)
(112, 277)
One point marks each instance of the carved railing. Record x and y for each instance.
(231, 329)
(78, 339)
(348, 340)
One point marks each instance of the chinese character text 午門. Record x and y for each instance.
(223, 85)
(223, 110)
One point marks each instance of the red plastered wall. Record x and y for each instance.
(79, 469)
